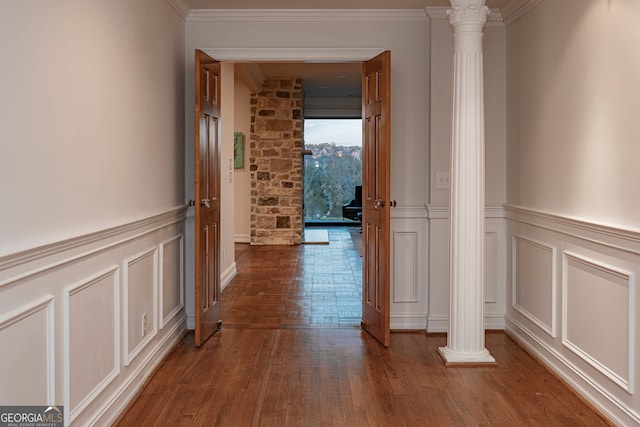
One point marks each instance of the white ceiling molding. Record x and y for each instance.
(181, 7)
(251, 75)
(301, 15)
(516, 9)
(293, 54)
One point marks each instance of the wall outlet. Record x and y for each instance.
(143, 329)
(442, 180)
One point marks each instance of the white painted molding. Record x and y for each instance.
(405, 280)
(111, 409)
(113, 271)
(242, 238)
(308, 15)
(164, 319)
(181, 7)
(130, 354)
(610, 235)
(493, 211)
(491, 270)
(610, 405)
(227, 276)
(409, 211)
(156, 221)
(551, 330)
(624, 383)
(407, 322)
(516, 9)
(440, 323)
(43, 303)
(325, 54)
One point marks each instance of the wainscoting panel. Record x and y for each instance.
(495, 280)
(92, 338)
(534, 283)
(171, 297)
(71, 313)
(409, 272)
(597, 344)
(27, 368)
(405, 262)
(589, 287)
(140, 301)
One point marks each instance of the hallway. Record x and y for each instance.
(290, 353)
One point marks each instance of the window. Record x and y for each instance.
(334, 168)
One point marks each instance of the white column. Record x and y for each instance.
(465, 340)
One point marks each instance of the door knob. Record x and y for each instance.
(378, 204)
(204, 203)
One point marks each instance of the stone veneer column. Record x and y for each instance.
(465, 340)
(275, 161)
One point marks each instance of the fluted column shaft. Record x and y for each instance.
(465, 340)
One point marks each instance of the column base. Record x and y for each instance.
(453, 358)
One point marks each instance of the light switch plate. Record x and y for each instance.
(442, 180)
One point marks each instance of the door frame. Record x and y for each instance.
(278, 54)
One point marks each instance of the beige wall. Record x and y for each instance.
(573, 208)
(242, 183)
(574, 98)
(91, 116)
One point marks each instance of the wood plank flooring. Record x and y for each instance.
(290, 353)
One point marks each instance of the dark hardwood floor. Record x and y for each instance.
(291, 353)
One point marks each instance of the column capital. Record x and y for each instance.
(468, 12)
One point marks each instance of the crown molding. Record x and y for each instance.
(442, 12)
(298, 15)
(181, 7)
(516, 9)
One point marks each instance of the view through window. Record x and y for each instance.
(334, 169)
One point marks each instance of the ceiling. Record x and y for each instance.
(325, 80)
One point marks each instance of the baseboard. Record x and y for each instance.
(242, 238)
(609, 406)
(406, 322)
(228, 275)
(113, 408)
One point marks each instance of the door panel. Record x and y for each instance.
(207, 195)
(376, 111)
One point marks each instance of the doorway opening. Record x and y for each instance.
(332, 172)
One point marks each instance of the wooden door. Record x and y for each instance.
(376, 109)
(207, 196)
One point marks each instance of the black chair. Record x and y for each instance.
(354, 207)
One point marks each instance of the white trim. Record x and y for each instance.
(407, 322)
(324, 54)
(418, 211)
(440, 323)
(577, 380)
(307, 15)
(549, 329)
(163, 320)
(45, 302)
(113, 271)
(137, 379)
(227, 276)
(181, 7)
(414, 236)
(127, 263)
(516, 9)
(625, 383)
(242, 238)
(157, 221)
(491, 211)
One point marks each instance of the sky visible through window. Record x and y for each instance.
(342, 132)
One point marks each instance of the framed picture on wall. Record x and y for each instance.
(238, 155)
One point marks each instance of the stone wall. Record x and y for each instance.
(276, 163)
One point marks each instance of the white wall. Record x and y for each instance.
(574, 203)
(91, 183)
(242, 184)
